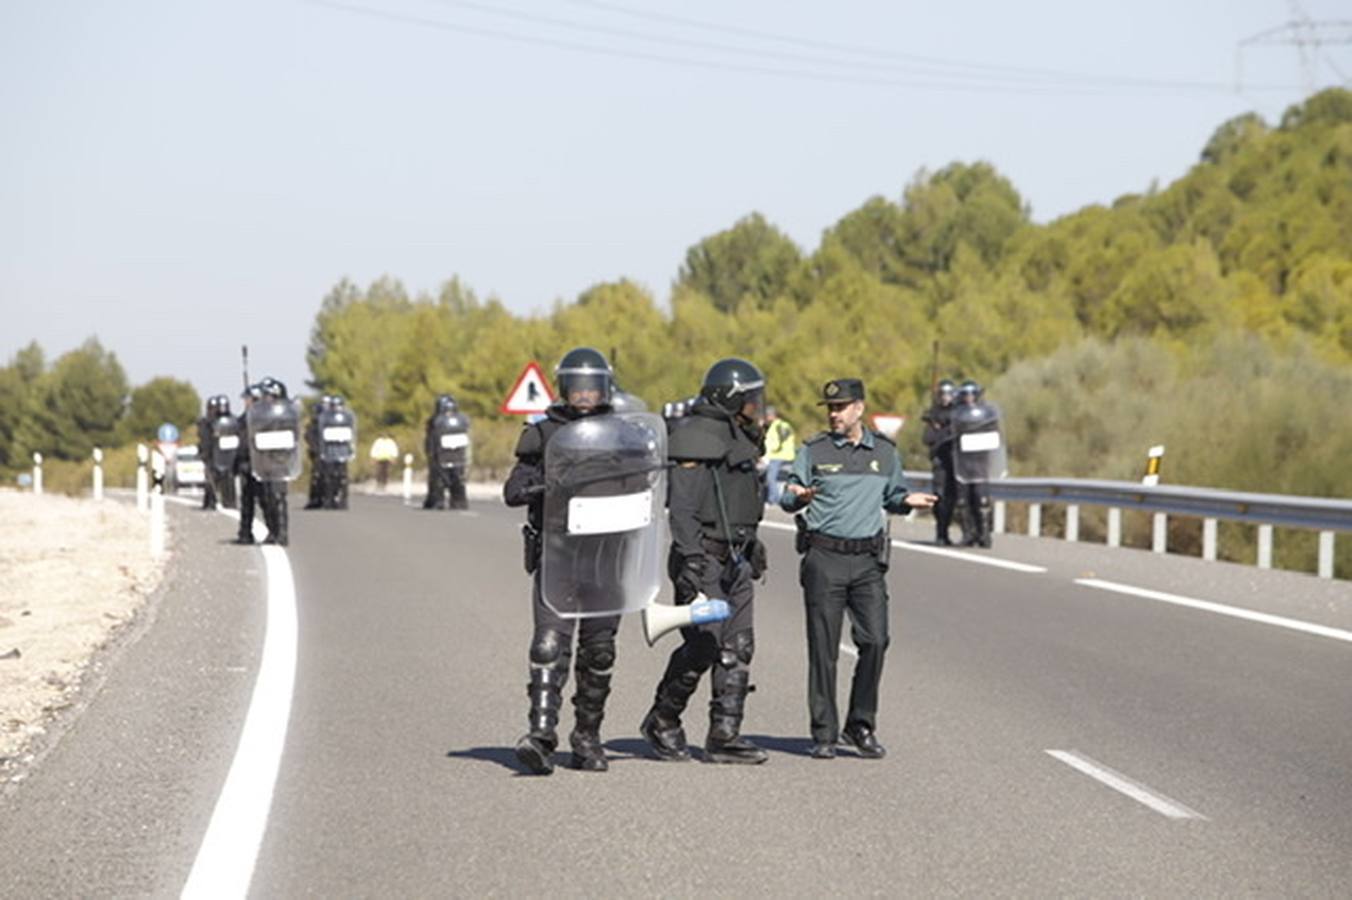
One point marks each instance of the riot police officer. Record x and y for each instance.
(446, 446)
(205, 447)
(274, 413)
(585, 385)
(938, 439)
(223, 442)
(979, 457)
(248, 487)
(715, 506)
(312, 445)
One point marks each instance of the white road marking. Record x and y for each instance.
(1337, 634)
(969, 557)
(1121, 783)
(225, 862)
(941, 551)
(850, 649)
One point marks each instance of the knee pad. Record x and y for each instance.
(739, 650)
(547, 648)
(598, 657)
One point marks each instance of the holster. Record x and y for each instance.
(530, 539)
(800, 543)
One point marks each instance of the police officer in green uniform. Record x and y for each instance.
(842, 480)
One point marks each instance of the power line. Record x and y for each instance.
(1078, 86)
(1307, 36)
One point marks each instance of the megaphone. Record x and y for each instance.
(658, 618)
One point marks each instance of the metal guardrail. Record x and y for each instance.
(1208, 504)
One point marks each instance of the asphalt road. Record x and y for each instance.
(398, 777)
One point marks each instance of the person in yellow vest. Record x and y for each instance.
(781, 446)
(384, 452)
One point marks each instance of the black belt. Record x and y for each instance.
(847, 545)
(718, 548)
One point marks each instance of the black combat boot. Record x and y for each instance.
(661, 727)
(725, 743)
(589, 703)
(546, 696)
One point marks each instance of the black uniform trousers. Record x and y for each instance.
(834, 582)
(592, 630)
(946, 488)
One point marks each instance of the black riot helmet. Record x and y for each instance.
(273, 388)
(969, 392)
(222, 404)
(336, 402)
(446, 403)
(585, 369)
(945, 392)
(732, 383)
(252, 392)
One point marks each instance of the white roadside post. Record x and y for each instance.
(408, 477)
(37, 473)
(998, 526)
(1035, 520)
(1159, 531)
(142, 478)
(1265, 546)
(1073, 522)
(1159, 537)
(98, 475)
(156, 524)
(1326, 554)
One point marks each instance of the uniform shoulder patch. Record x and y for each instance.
(817, 438)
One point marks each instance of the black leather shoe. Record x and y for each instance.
(244, 539)
(943, 542)
(823, 750)
(864, 741)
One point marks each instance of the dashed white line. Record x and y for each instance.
(1121, 783)
(1236, 612)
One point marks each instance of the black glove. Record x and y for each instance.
(689, 579)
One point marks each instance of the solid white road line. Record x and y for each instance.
(225, 861)
(941, 551)
(1337, 634)
(1121, 783)
(849, 649)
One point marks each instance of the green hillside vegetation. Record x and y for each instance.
(1213, 315)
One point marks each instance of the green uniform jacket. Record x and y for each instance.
(854, 482)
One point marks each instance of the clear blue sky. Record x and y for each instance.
(178, 177)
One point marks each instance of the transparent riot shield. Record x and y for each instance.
(605, 483)
(450, 440)
(224, 445)
(979, 449)
(337, 435)
(274, 439)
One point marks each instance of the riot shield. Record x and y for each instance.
(224, 445)
(450, 440)
(337, 435)
(605, 482)
(979, 449)
(274, 437)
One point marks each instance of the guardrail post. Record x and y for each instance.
(1035, 520)
(1073, 522)
(998, 526)
(156, 524)
(1209, 540)
(1326, 554)
(98, 474)
(1264, 546)
(1159, 537)
(142, 479)
(408, 477)
(1114, 527)
(37, 473)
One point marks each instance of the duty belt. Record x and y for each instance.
(847, 545)
(719, 548)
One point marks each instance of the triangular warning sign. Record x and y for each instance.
(888, 424)
(530, 394)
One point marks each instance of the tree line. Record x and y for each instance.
(1213, 315)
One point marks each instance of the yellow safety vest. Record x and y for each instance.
(779, 441)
